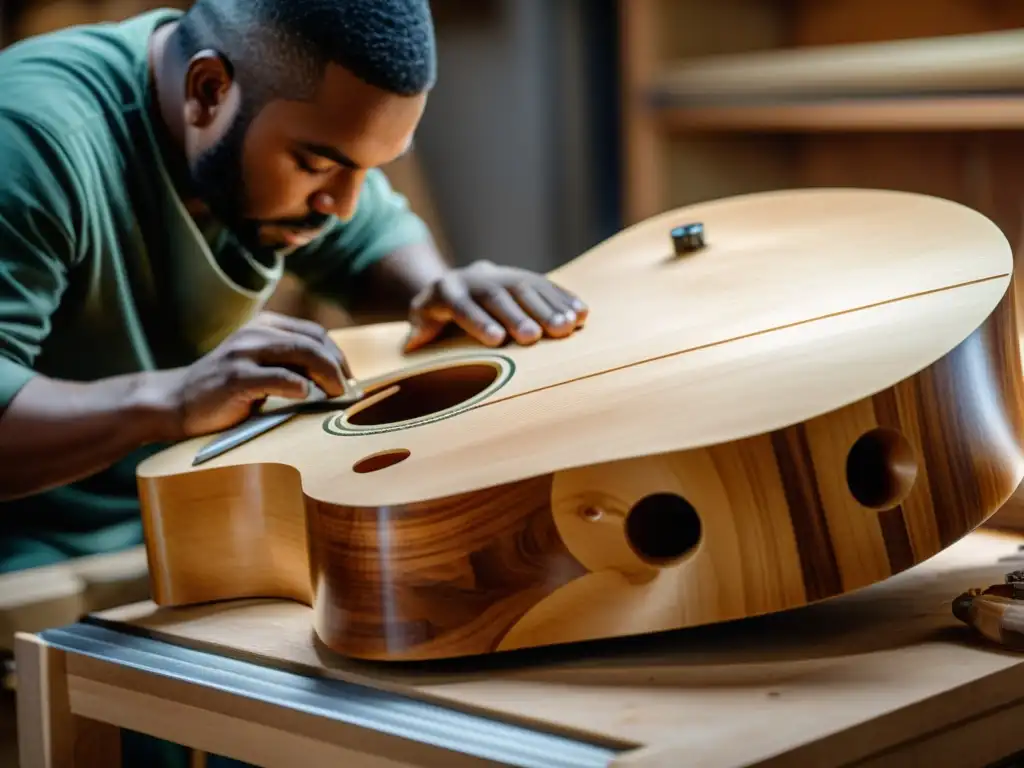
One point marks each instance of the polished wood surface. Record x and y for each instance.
(826, 395)
(885, 677)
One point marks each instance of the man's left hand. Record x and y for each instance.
(491, 303)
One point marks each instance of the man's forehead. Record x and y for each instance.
(339, 90)
(347, 137)
(345, 111)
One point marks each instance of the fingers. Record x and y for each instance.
(455, 299)
(271, 346)
(254, 382)
(308, 328)
(491, 305)
(575, 303)
(567, 303)
(425, 320)
(523, 318)
(550, 309)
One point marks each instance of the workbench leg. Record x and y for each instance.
(49, 735)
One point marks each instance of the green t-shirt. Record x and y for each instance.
(102, 270)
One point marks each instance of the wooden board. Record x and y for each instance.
(957, 64)
(812, 336)
(886, 668)
(961, 82)
(858, 21)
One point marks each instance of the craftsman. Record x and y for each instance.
(158, 177)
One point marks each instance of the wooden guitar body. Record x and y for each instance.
(826, 394)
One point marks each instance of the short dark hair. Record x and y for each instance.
(281, 47)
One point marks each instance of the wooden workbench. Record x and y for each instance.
(882, 677)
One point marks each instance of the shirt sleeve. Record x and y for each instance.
(383, 222)
(37, 245)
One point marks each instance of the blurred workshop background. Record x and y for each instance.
(557, 122)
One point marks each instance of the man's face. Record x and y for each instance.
(275, 178)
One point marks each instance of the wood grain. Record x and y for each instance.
(50, 733)
(953, 64)
(967, 82)
(838, 115)
(859, 21)
(859, 420)
(885, 676)
(435, 579)
(643, 181)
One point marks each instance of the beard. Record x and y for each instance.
(217, 177)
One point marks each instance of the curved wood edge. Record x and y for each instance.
(1010, 516)
(552, 559)
(247, 538)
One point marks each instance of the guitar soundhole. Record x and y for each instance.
(663, 528)
(379, 461)
(881, 469)
(427, 393)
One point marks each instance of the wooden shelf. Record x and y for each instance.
(865, 114)
(965, 82)
(957, 64)
(739, 96)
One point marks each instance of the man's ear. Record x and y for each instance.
(208, 81)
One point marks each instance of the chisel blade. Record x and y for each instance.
(236, 436)
(260, 425)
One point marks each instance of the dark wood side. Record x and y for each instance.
(438, 578)
(807, 512)
(971, 410)
(965, 417)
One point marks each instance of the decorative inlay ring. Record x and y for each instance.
(469, 379)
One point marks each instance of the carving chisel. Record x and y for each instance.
(260, 425)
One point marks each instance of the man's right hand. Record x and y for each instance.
(55, 432)
(274, 355)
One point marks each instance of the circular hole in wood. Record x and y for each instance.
(663, 528)
(881, 469)
(379, 461)
(423, 394)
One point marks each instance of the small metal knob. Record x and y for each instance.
(1015, 580)
(688, 238)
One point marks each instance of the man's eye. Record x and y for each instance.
(308, 167)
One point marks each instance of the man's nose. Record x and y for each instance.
(341, 201)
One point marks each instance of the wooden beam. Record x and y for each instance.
(930, 114)
(643, 183)
(960, 64)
